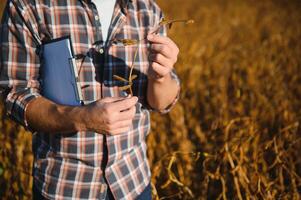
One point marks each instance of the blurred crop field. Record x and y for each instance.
(235, 133)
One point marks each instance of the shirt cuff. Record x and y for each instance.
(17, 103)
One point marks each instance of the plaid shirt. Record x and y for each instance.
(71, 166)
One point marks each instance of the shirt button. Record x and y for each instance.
(101, 50)
(96, 17)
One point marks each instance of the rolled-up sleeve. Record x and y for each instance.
(157, 18)
(19, 65)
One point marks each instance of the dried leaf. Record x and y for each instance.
(134, 76)
(169, 23)
(190, 21)
(126, 42)
(126, 87)
(164, 22)
(120, 78)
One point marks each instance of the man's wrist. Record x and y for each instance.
(159, 80)
(78, 118)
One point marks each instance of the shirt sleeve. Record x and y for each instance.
(19, 65)
(157, 18)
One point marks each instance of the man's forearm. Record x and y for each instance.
(45, 116)
(110, 115)
(161, 93)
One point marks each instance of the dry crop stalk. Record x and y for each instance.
(171, 175)
(127, 42)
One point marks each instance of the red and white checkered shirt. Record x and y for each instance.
(71, 166)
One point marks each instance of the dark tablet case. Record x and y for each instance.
(58, 78)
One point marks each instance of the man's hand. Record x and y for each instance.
(112, 115)
(163, 55)
(161, 89)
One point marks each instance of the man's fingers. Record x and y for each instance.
(127, 114)
(162, 40)
(162, 60)
(124, 104)
(121, 124)
(162, 49)
(159, 39)
(159, 69)
(119, 131)
(111, 99)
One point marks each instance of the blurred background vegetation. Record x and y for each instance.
(235, 133)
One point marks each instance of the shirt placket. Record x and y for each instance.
(102, 50)
(99, 56)
(99, 45)
(117, 23)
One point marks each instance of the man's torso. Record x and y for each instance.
(69, 165)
